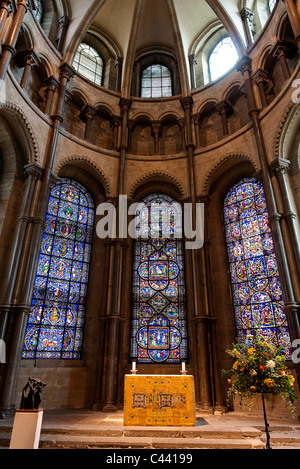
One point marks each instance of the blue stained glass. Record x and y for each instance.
(256, 288)
(158, 332)
(55, 325)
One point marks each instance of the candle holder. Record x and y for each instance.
(134, 370)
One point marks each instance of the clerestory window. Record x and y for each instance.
(88, 62)
(156, 82)
(222, 58)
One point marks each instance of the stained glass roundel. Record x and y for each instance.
(55, 324)
(159, 332)
(256, 288)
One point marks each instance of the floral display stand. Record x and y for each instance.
(260, 368)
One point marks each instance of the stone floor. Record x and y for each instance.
(87, 430)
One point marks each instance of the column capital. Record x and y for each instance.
(283, 48)
(224, 108)
(88, 112)
(125, 104)
(33, 170)
(66, 71)
(244, 65)
(187, 103)
(27, 57)
(280, 165)
(51, 82)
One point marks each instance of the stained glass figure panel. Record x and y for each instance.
(159, 329)
(256, 288)
(55, 324)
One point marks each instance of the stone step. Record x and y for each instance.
(109, 442)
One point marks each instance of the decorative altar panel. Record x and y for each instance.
(152, 400)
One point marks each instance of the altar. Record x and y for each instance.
(152, 400)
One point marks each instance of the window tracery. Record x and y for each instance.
(88, 62)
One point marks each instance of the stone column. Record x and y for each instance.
(281, 168)
(88, 113)
(248, 17)
(291, 306)
(4, 10)
(52, 85)
(27, 59)
(193, 62)
(63, 24)
(156, 132)
(8, 49)
(281, 50)
(23, 300)
(119, 67)
(13, 316)
(260, 78)
(294, 19)
(224, 109)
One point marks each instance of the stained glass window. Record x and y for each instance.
(256, 288)
(156, 82)
(88, 62)
(55, 324)
(159, 330)
(223, 57)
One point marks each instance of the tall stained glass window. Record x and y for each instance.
(156, 82)
(159, 330)
(257, 294)
(55, 324)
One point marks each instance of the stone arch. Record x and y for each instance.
(22, 127)
(81, 161)
(222, 166)
(157, 177)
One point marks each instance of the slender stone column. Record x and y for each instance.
(52, 84)
(4, 13)
(281, 50)
(33, 173)
(218, 401)
(261, 78)
(23, 300)
(291, 307)
(9, 47)
(27, 59)
(156, 131)
(294, 19)
(193, 62)
(248, 18)
(88, 113)
(63, 24)
(281, 167)
(224, 109)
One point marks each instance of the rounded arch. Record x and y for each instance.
(22, 128)
(90, 172)
(161, 181)
(235, 166)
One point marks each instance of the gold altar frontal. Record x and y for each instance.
(152, 400)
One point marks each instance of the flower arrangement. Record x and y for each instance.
(259, 368)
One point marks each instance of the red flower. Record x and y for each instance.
(261, 368)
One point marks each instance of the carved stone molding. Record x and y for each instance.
(27, 133)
